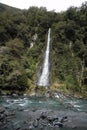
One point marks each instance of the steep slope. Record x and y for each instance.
(19, 62)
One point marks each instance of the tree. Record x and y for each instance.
(16, 46)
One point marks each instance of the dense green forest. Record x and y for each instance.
(23, 36)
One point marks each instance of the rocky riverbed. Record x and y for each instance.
(42, 113)
(41, 119)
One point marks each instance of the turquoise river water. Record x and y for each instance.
(65, 103)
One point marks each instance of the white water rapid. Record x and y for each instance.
(44, 77)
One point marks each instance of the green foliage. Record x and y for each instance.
(16, 47)
(19, 62)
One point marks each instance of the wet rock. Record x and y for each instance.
(17, 127)
(32, 94)
(47, 94)
(31, 127)
(35, 123)
(64, 119)
(24, 128)
(41, 127)
(24, 94)
(0, 123)
(2, 110)
(20, 109)
(55, 118)
(50, 119)
(4, 126)
(74, 127)
(2, 116)
(14, 94)
(34, 109)
(70, 125)
(59, 124)
(43, 115)
(43, 122)
(10, 114)
(25, 122)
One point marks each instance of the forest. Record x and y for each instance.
(23, 36)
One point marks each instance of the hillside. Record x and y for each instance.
(9, 9)
(19, 29)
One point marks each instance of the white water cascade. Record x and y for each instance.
(44, 77)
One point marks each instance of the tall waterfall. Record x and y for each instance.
(45, 74)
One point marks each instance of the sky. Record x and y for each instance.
(56, 5)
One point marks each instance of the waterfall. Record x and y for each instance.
(45, 75)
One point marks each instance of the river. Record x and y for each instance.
(22, 105)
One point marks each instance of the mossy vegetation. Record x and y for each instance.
(23, 37)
